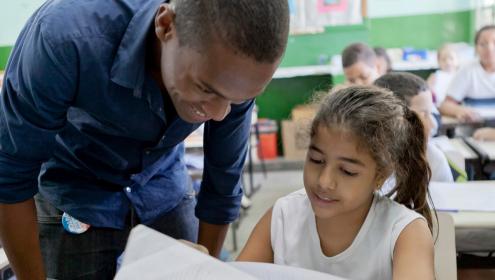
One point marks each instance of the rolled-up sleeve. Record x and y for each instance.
(225, 149)
(39, 86)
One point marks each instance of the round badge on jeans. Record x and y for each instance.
(73, 225)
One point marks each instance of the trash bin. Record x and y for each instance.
(267, 142)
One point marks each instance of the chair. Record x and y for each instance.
(445, 252)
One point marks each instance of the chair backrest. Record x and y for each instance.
(445, 252)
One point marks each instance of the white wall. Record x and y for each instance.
(393, 8)
(13, 15)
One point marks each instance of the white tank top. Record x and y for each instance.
(442, 82)
(295, 241)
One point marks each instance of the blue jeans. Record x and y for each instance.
(93, 254)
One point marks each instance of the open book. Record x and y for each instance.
(153, 255)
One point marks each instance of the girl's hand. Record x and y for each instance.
(467, 115)
(484, 134)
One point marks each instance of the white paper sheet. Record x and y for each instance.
(152, 255)
(469, 196)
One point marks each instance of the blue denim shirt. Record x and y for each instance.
(83, 123)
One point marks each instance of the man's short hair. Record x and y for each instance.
(257, 29)
(403, 84)
(358, 52)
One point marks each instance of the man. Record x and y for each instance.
(97, 99)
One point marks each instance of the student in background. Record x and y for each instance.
(340, 223)
(440, 80)
(359, 63)
(474, 84)
(383, 62)
(414, 91)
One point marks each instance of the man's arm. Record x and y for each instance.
(212, 236)
(19, 237)
(225, 147)
(39, 86)
(450, 107)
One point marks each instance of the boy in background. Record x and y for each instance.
(414, 91)
(383, 62)
(359, 64)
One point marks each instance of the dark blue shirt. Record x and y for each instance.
(83, 123)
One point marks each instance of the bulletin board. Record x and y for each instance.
(311, 16)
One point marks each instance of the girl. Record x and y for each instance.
(339, 223)
(474, 84)
(440, 80)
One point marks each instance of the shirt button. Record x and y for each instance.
(160, 109)
(128, 189)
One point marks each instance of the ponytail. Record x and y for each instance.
(412, 170)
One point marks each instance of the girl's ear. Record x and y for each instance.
(379, 180)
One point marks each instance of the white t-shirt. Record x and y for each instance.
(472, 81)
(440, 170)
(295, 241)
(442, 82)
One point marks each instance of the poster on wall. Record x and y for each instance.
(310, 16)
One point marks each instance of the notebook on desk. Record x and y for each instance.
(469, 196)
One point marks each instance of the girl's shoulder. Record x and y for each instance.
(393, 216)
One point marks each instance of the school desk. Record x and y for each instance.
(456, 149)
(486, 152)
(449, 124)
(472, 207)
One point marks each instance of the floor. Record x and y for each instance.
(275, 185)
(280, 183)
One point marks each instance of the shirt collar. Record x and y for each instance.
(129, 62)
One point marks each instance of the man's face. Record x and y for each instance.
(361, 73)
(203, 84)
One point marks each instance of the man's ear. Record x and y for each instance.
(164, 22)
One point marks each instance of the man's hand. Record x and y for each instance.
(19, 236)
(198, 247)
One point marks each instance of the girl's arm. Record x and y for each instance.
(485, 134)
(449, 107)
(259, 246)
(413, 253)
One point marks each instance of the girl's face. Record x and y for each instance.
(486, 48)
(339, 174)
(447, 60)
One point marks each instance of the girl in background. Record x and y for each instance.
(440, 80)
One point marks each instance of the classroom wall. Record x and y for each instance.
(390, 23)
